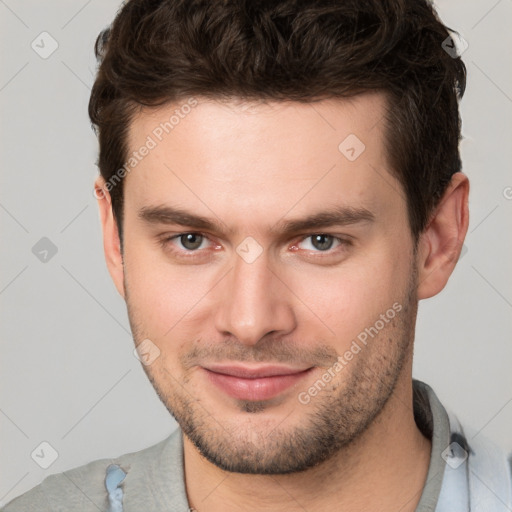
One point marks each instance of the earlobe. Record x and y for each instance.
(441, 242)
(111, 240)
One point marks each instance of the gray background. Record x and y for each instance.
(68, 374)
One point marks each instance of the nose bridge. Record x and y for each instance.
(253, 302)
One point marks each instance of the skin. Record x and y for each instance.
(249, 166)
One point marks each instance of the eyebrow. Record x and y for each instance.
(337, 216)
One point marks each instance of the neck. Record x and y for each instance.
(384, 469)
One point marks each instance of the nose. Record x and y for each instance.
(253, 302)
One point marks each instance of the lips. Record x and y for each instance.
(254, 383)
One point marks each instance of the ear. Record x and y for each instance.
(111, 241)
(441, 242)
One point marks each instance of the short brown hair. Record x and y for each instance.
(161, 51)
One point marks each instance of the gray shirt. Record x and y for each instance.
(154, 480)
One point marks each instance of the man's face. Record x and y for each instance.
(255, 323)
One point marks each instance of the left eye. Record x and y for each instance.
(190, 241)
(322, 242)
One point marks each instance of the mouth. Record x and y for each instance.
(254, 383)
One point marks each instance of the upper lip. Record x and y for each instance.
(253, 372)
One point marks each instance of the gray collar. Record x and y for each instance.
(155, 481)
(432, 419)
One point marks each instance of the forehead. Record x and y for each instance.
(234, 158)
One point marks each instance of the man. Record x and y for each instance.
(280, 185)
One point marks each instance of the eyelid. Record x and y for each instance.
(343, 241)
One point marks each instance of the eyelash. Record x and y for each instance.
(167, 241)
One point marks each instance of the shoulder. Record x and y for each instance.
(490, 473)
(81, 488)
(485, 468)
(474, 473)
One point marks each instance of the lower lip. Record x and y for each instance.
(262, 388)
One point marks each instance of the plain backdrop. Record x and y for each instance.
(68, 374)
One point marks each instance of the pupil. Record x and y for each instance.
(191, 240)
(319, 241)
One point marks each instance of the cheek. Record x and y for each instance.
(344, 301)
(161, 295)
